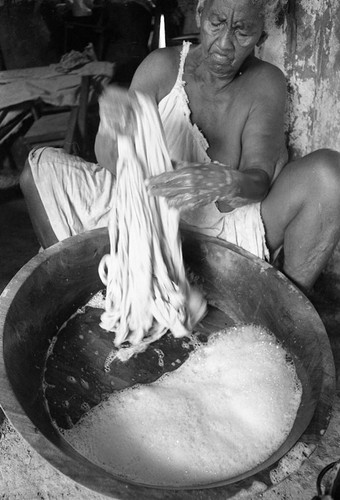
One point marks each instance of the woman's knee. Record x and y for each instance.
(36, 209)
(106, 151)
(325, 165)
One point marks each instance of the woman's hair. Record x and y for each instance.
(270, 8)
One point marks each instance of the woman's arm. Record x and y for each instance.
(155, 76)
(261, 145)
(197, 185)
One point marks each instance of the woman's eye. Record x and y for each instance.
(243, 38)
(216, 23)
(241, 33)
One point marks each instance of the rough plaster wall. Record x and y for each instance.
(313, 69)
(307, 48)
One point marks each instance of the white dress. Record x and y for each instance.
(77, 195)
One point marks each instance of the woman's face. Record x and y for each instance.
(230, 30)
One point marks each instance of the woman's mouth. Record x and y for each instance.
(220, 58)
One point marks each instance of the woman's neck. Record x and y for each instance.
(198, 69)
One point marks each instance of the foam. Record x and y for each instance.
(97, 300)
(222, 412)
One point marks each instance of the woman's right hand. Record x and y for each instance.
(117, 116)
(117, 111)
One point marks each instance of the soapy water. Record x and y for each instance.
(221, 413)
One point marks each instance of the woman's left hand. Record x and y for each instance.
(193, 185)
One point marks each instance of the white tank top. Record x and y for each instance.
(187, 143)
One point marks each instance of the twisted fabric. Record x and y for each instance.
(147, 289)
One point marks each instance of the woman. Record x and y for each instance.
(223, 112)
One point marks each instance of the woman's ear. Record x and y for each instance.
(263, 38)
(199, 9)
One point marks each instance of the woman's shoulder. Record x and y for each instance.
(267, 74)
(265, 83)
(157, 74)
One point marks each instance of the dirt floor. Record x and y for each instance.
(25, 475)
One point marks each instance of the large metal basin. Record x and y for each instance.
(49, 288)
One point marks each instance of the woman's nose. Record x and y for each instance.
(226, 39)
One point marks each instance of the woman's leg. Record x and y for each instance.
(302, 213)
(37, 212)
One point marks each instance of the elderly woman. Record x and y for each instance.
(223, 115)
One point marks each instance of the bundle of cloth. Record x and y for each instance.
(148, 292)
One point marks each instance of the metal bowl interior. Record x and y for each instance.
(50, 288)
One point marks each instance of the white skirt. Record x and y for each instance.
(77, 196)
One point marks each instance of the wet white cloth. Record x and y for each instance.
(77, 195)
